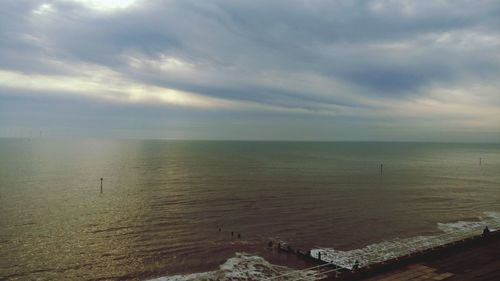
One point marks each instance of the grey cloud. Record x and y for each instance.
(227, 41)
(251, 35)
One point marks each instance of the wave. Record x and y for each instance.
(250, 267)
(245, 267)
(398, 247)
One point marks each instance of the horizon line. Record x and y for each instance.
(247, 140)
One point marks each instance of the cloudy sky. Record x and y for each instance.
(254, 69)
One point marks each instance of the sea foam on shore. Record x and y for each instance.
(249, 267)
(245, 267)
(387, 250)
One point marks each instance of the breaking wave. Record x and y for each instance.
(398, 247)
(245, 267)
(249, 267)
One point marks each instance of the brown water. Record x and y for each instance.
(163, 201)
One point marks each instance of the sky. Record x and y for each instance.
(374, 70)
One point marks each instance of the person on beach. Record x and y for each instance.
(486, 232)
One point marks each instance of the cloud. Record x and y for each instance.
(380, 61)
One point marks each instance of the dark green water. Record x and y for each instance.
(164, 201)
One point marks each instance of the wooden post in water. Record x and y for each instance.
(480, 160)
(101, 184)
(381, 169)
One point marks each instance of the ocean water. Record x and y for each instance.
(163, 203)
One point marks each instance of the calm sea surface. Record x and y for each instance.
(164, 201)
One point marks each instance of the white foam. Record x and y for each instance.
(245, 267)
(248, 267)
(387, 250)
(491, 219)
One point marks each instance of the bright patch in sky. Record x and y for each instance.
(105, 85)
(43, 9)
(106, 5)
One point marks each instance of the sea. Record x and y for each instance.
(206, 210)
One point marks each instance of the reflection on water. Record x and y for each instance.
(164, 201)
